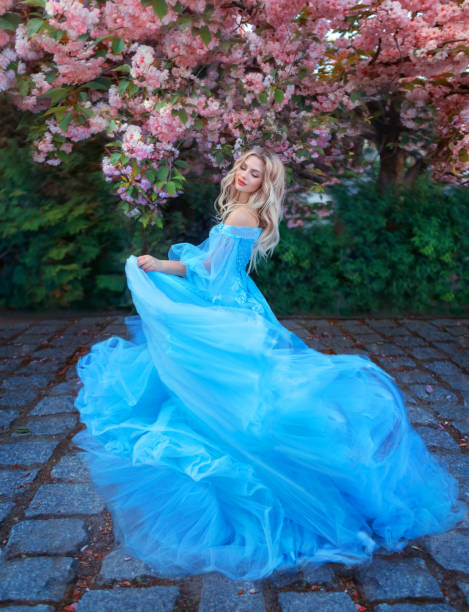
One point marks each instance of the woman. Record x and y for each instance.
(220, 441)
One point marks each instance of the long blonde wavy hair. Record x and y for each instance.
(266, 201)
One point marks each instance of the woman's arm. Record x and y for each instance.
(149, 263)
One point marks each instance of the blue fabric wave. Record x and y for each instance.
(220, 441)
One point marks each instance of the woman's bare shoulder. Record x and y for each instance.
(242, 216)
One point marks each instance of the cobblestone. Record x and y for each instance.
(325, 602)
(71, 468)
(58, 534)
(65, 499)
(449, 550)
(219, 594)
(53, 405)
(118, 565)
(35, 578)
(26, 453)
(398, 579)
(151, 599)
(51, 425)
(53, 536)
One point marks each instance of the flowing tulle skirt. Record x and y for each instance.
(220, 441)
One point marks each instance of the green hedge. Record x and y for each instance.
(405, 252)
(65, 241)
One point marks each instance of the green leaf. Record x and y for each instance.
(263, 97)
(39, 3)
(162, 173)
(170, 188)
(463, 155)
(123, 68)
(181, 163)
(118, 45)
(33, 26)
(160, 7)
(278, 96)
(56, 94)
(100, 83)
(205, 35)
(65, 122)
(112, 282)
(10, 21)
(219, 157)
(123, 86)
(183, 115)
(114, 158)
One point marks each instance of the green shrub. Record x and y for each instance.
(405, 252)
(65, 239)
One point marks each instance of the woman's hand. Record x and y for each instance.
(149, 263)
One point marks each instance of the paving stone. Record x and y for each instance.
(399, 578)
(220, 594)
(452, 412)
(10, 365)
(65, 499)
(413, 341)
(464, 586)
(312, 602)
(71, 467)
(53, 352)
(51, 425)
(150, 599)
(406, 607)
(18, 398)
(27, 453)
(418, 415)
(41, 366)
(54, 404)
(457, 464)
(14, 481)
(382, 324)
(383, 349)
(319, 575)
(118, 565)
(449, 550)
(437, 437)
(5, 508)
(394, 363)
(6, 417)
(17, 349)
(39, 608)
(36, 380)
(444, 368)
(437, 396)
(36, 578)
(458, 383)
(424, 352)
(65, 388)
(416, 376)
(52, 536)
(281, 578)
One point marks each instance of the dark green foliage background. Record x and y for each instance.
(64, 242)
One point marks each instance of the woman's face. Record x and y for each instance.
(249, 175)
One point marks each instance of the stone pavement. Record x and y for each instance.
(56, 539)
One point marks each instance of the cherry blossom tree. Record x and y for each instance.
(178, 84)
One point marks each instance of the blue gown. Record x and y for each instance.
(220, 441)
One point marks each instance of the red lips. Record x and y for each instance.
(241, 182)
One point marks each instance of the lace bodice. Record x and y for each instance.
(246, 236)
(216, 268)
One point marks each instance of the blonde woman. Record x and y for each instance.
(221, 442)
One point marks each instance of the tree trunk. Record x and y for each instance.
(388, 129)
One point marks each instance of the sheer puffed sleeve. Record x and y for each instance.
(214, 266)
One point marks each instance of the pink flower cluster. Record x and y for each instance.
(208, 78)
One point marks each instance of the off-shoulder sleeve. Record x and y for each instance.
(212, 265)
